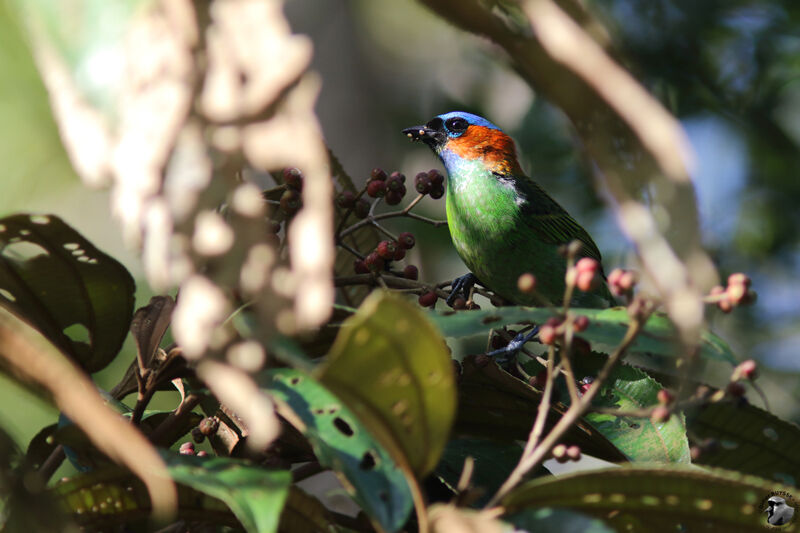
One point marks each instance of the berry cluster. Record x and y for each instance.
(187, 448)
(621, 282)
(431, 183)
(738, 292)
(554, 329)
(386, 252)
(563, 453)
(585, 274)
(291, 200)
(391, 188)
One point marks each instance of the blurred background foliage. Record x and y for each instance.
(729, 70)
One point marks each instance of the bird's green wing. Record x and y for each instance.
(548, 221)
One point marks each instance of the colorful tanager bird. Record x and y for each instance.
(503, 224)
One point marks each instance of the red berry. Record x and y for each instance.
(378, 174)
(459, 303)
(395, 197)
(437, 191)
(360, 267)
(291, 201)
(587, 264)
(665, 397)
(362, 208)
(554, 321)
(293, 178)
(399, 254)
(547, 334)
(436, 177)
(374, 262)
(422, 183)
(376, 189)
(187, 448)
(739, 278)
(574, 452)
(202, 453)
(745, 370)
(585, 384)
(406, 240)
(399, 176)
(581, 323)
(386, 250)
(346, 200)
(660, 414)
(559, 453)
(735, 389)
(411, 272)
(428, 299)
(526, 283)
(585, 280)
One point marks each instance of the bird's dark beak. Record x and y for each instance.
(426, 134)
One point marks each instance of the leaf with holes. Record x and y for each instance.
(641, 439)
(742, 437)
(341, 442)
(667, 499)
(607, 328)
(255, 495)
(74, 294)
(392, 367)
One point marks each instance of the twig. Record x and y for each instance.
(575, 411)
(174, 418)
(306, 471)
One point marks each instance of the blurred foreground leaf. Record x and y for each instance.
(654, 499)
(342, 443)
(548, 520)
(747, 439)
(57, 281)
(606, 329)
(392, 367)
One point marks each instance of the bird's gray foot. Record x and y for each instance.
(461, 286)
(516, 344)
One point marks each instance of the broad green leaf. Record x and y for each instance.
(493, 461)
(112, 496)
(547, 520)
(255, 495)
(642, 440)
(392, 367)
(342, 443)
(494, 404)
(74, 294)
(666, 499)
(746, 439)
(607, 327)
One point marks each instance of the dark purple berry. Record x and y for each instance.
(398, 175)
(411, 272)
(377, 174)
(376, 189)
(386, 250)
(197, 435)
(360, 267)
(422, 183)
(406, 240)
(291, 201)
(436, 177)
(362, 208)
(346, 200)
(374, 262)
(428, 299)
(459, 303)
(399, 254)
(395, 183)
(395, 197)
(437, 191)
(293, 178)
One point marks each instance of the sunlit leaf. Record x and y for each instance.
(747, 439)
(641, 439)
(254, 494)
(607, 327)
(342, 443)
(668, 499)
(74, 294)
(391, 365)
(495, 404)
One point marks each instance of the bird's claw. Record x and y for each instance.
(461, 285)
(515, 345)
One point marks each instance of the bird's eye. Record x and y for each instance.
(456, 125)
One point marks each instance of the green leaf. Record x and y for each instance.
(493, 462)
(607, 328)
(494, 404)
(255, 495)
(74, 294)
(746, 439)
(667, 499)
(392, 367)
(549, 520)
(629, 388)
(341, 442)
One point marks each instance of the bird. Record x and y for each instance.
(502, 223)
(778, 512)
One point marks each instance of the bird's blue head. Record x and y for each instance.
(459, 136)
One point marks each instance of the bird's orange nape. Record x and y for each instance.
(493, 147)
